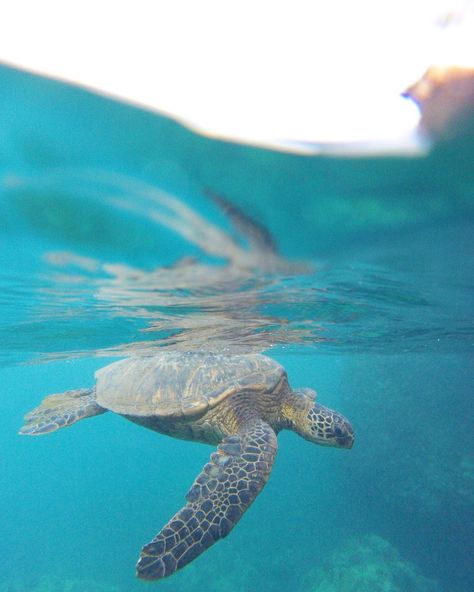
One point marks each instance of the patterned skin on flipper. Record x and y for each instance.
(222, 492)
(60, 411)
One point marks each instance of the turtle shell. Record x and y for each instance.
(176, 384)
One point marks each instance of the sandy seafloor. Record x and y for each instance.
(382, 329)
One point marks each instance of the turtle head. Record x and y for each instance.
(317, 423)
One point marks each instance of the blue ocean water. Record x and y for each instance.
(111, 245)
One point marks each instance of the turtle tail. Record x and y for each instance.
(60, 411)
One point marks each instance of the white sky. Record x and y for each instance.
(259, 70)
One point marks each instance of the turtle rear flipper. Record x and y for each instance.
(60, 411)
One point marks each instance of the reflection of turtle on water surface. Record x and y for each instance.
(238, 402)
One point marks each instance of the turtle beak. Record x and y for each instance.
(345, 434)
(347, 440)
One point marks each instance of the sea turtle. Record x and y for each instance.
(237, 402)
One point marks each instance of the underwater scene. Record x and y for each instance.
(126, 236)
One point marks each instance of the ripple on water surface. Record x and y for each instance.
(235, 292)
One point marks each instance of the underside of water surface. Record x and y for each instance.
(124, 234)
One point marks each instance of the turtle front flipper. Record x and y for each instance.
(222, 492)
(60, 411)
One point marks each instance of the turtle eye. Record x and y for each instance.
(338, 431)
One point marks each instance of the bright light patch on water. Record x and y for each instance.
(263, 72)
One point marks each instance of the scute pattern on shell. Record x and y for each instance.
(175, 384)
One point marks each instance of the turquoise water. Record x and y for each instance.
(369, 301)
